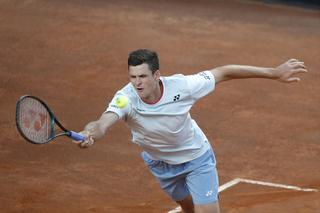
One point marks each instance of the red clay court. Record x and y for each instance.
(73, 55)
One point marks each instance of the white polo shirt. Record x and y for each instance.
(165, 130)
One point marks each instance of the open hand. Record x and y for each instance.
(286, 72)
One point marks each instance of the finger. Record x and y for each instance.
(77, 142)
(292, 60)
(298, 64)
(87, 143)
(290, 80)
(84, 144)
(300, 70)
(293, 79)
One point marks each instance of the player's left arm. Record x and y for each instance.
(285, 72)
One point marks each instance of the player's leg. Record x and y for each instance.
(202, 183)
(207, 208)
(187, 204)
(172, 181)
(198, 175)
(188, 207)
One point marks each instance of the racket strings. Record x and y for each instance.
(35, 120)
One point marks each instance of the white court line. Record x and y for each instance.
(176, 210)
(229, 184)
(277, 185)
(238, 180)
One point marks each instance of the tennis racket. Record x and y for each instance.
(37, 123)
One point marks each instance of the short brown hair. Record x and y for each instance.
(141, 56)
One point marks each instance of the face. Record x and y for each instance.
(145, 83)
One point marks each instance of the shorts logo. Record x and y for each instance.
(209, 193)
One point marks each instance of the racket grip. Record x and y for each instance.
(76, 136)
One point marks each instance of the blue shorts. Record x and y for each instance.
(197, 178)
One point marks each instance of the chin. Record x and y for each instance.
(141, 95)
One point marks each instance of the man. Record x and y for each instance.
(176, 151)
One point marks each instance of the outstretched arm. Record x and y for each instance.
(97, 129)
(285, 72)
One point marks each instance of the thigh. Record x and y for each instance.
(175, 188)
(170, 177)
(203, 182)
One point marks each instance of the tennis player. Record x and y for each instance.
(176, 151)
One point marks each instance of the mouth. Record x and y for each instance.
(139, 89)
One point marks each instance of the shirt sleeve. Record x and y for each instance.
(200, 84)
(121, 112)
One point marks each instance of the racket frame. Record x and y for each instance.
(53, 121)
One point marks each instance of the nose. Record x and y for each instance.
(138, 81)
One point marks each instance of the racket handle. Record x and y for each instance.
(76, 136)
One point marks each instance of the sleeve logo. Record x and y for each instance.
(204, 75)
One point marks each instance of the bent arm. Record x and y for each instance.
(285, 72)
(97, 129)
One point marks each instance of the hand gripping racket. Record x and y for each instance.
(37, 123)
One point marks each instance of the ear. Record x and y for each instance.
(156, 75)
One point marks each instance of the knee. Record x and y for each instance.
(187, 205)
(207, 208)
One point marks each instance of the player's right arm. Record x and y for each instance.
(97, 129)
